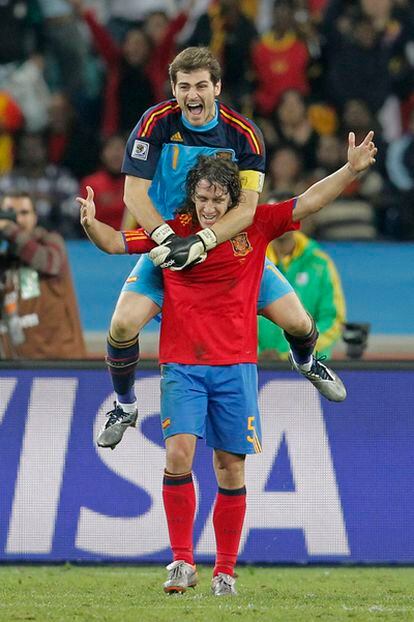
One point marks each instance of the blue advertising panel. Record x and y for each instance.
(334, 482)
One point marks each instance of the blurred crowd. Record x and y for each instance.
(76, 75)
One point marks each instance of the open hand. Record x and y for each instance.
(87, 208)
(362, 156)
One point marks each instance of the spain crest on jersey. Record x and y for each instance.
(185, 219)
(241, 245)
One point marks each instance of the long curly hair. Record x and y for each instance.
(217, 172)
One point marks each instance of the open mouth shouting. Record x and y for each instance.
(195, 111)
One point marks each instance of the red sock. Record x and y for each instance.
(180, 503)
(228, 518)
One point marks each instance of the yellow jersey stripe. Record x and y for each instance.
(245, 127)
(136, 237)
(153, 116)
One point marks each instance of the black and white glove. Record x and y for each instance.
(162, 233)
(177, 253)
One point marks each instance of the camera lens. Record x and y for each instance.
(355, 336)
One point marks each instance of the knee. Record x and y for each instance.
(131, 314)
(125, 323)
(299, 325)
(289, 313)
(229, 472)
(179, 459)
(121, 327)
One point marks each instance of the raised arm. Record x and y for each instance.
(322, 193)
(103, 41)
(103, 236)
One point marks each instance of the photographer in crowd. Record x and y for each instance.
(39, 317)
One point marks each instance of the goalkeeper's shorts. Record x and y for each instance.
(218, 402)
(273, 285)
(146, 279)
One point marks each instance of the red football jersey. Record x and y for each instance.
(209, 311)
(279, 66)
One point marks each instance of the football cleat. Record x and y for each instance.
(323, 378)
(180, 577)
(114, 429)
(223, 585)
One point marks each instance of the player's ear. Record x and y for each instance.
(217, 89)
(172, 88)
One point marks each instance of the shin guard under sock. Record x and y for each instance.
(178, 494)
(228, 518)
(303, 347)
(122, 359)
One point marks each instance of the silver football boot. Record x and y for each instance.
(323, 378)
(223, 585)
(113, 431)
(180, 577)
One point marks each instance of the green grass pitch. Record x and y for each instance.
(134, 593)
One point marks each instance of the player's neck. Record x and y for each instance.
(202, 128)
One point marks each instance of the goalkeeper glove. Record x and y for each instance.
(177, 253)
(162, 233)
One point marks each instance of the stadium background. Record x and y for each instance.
(335, 479)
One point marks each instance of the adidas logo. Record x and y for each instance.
(177, 137)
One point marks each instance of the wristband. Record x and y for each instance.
(161, 233)
(208, 238)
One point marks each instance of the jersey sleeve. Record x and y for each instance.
(146, 140)
(275, 219)
(138, 241)
(251, 158)
(252, 152)
(245, 138)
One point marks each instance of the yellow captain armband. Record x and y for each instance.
(252, 180)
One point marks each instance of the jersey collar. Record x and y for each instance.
(201, 128)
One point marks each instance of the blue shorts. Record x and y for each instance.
(273, 285)
(147, 280)
(218, 402)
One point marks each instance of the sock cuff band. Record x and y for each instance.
(122, 344)
(170, 479)
(232, 493)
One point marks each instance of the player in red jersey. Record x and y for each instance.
(208, 348)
